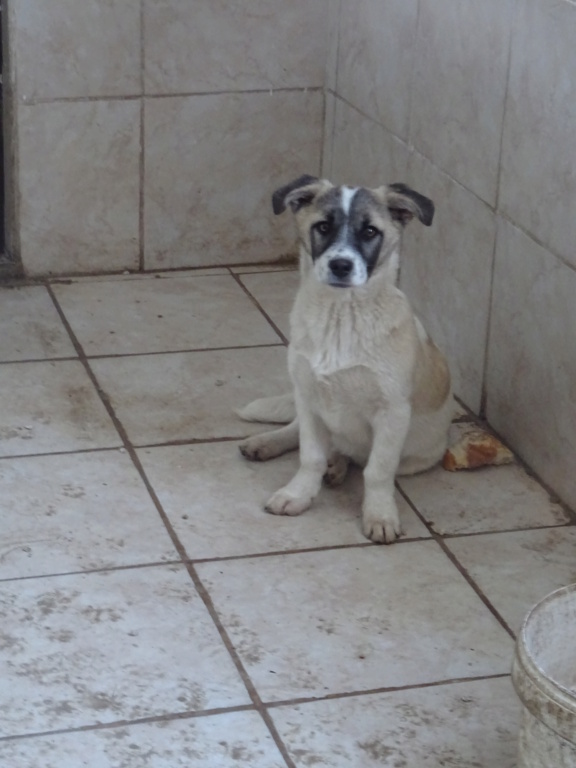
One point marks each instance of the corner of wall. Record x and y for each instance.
(10, 262)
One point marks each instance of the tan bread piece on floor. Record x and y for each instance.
(476, 448)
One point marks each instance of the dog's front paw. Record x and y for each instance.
(285, 503)
(256, 449)
(381, 525)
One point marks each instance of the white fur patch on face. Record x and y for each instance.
(347, 196)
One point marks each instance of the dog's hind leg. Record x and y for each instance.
(279, 409)
(268, 445)
(337, 470)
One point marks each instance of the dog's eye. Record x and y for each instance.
(369, 232)
(323, 227)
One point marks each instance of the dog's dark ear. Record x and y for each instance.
(294, 194)
(404, 203)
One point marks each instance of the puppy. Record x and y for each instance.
(369, 384)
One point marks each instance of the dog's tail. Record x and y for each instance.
(280, 410)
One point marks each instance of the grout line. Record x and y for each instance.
(190, 561)
(193, 441)
(263, 271)
(322, 133)
(40, 360)
(327, 155)
(193, 350)
(338, 43)
(79, 278)
(249, 685)
(513, 13)
(488, 331)
(301, 551)
(142, 176)
(460, 568)
(247, 91)
(80, 451)
(166, 718)
(142, 49)
(486, 357)
(193, 715)
(390, 689)
(183, 94)
(88, 571)
(194, 561)
(260, 308)
(527, 529)
(179, 547)
(142, 146)
(415, 54)
(36, 100)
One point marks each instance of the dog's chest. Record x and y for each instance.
(333, 390)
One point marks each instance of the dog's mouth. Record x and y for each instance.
(336, 282)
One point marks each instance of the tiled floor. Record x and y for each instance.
(152, 616)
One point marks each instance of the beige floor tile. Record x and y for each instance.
(108, 646)
(232, 740)
(31, 327)
(337, 621)
(516, 570)
(487, 499)
(275, 293)
(187, 396)
(214, 499)
(136, 316)
(469, 725)
(51, 406)
(77, 512)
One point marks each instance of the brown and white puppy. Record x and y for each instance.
(369, 384)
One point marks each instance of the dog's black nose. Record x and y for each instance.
(341, 267)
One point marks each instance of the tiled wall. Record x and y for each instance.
(150, 133)
(473, 102)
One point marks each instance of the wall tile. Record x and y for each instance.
(79, 186)
(446, 274)
(538, 184)
(212, 163)
(220, 45)
(364, 153)
(66, 48)
(531, 361)
(376, 50)
(333, 21)
(328, 134)
(459, 88)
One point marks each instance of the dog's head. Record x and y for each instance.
(349, 232)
